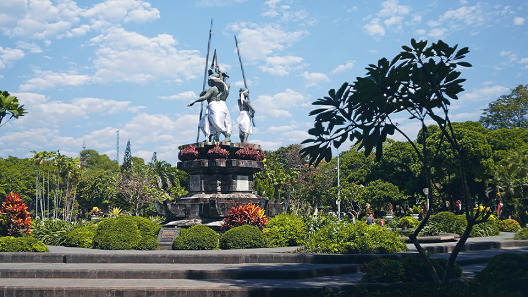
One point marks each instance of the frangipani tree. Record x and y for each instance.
(420, 81)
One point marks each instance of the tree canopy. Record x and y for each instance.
(509, 111)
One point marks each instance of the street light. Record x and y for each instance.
(426, 192)
(338, 202)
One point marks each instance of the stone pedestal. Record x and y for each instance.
(216, 184)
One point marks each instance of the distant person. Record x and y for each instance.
(370, 220)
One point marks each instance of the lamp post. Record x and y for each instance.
(426, 192)
(338, 202)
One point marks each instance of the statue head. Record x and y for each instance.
(244, 90)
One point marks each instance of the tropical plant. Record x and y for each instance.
(421, 81)
(249, 214)
(522, 234)
(53, 231)
(10, 107)
(509, 225)
(14, 217)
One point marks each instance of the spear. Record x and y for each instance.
(243, 75)
(205, 76)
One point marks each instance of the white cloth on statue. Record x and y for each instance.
(216, 119)
(244, 121)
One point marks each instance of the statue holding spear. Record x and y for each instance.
(247, 112)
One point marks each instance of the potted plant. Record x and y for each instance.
(94, 214)
(415, 212)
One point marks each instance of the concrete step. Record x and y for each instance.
(174, 271)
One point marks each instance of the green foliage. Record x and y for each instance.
(347, 238)
(97, 188)
(379, 194)
(522, 234)
(505, 273)
(91, 159)
(21, 244)
(384, 270)
(509, 225)
(315, 223)
(198, 237)
(446, 222)
(409, 222)
(81, 237)
(126, 233)
(509, 111)
(243, 237)
(53, 231)
(10, 107)
(286, 230)
(488, 228)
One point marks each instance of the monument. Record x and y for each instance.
(221, 173)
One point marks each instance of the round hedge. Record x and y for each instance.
(509, 225)
(505, 272)
(81, 237)
(126, 233)
(448, 222)
(286, 230)
(198, 237)
(21, 244)
(409, 222)
(243, 237)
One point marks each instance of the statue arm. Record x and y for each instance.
(204, 97)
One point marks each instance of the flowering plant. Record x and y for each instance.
(509, 225)
(14, 216)
(249, 214)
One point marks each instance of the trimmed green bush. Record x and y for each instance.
(505, 273)
(198, 237)
(21, 244)
(447, 222)
(409, 222)
(126, 233)
(488, 228)
(384, 271)
(347, 238)
(509, 225)
(522, 234)
(243, 237)
(286, 230)
(81, 237)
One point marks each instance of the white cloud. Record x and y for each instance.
(9, 55)
(391, 8)
(277, 105)
(181, 96)
(374, 28)
(50, 79)
(258, 42)
(272, 12)
(213, 3)
(31, 47)
(395, 21)
(341, 68)
(280, 65)
(275, 129)
(314, 78)
(518, 21)
(487, 93)
(437, 33)
(295, 136)
(118, 52)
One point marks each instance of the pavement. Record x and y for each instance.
(249, 272)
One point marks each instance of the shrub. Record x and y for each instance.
(286, 230)
(14, 217)
(126, 233)
(346, 238)
(447, 222)
(53, 231)
(509, 225)
(394, 223)
(488, 228)
(249, 214)
(409, 269)
(409, 222)
(383, 270)
(243, 237)
(505, 273)
(198, 237)
(315, 223)
(81, 237)
(522, 234)
(21, 244)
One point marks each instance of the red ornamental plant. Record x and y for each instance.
(217, 152)
(247, 153)
(14, 216)
(188, 153)
(249, 214)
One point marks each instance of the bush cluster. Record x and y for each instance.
(488, 228)
(448, 222)
(410, 269)
(505, 273)
(347, 238)
(53, 231)
(285, 230)
(409, 222)
(243, 237)
(522, 234)
(509, 225)
(198, 237)
(81, 237)
(126, 233)
(21, 244)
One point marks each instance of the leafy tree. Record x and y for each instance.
(10, 107)
(421, 81)
(97, 188)
(138, 189)
(509, 111)
(379, 194)
(91, 159)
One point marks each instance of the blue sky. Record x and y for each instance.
(87, 69)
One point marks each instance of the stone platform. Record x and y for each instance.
(221, 177)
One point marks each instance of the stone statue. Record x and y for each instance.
(216, 117)
(246, 115)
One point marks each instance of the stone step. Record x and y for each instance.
(174, 271)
